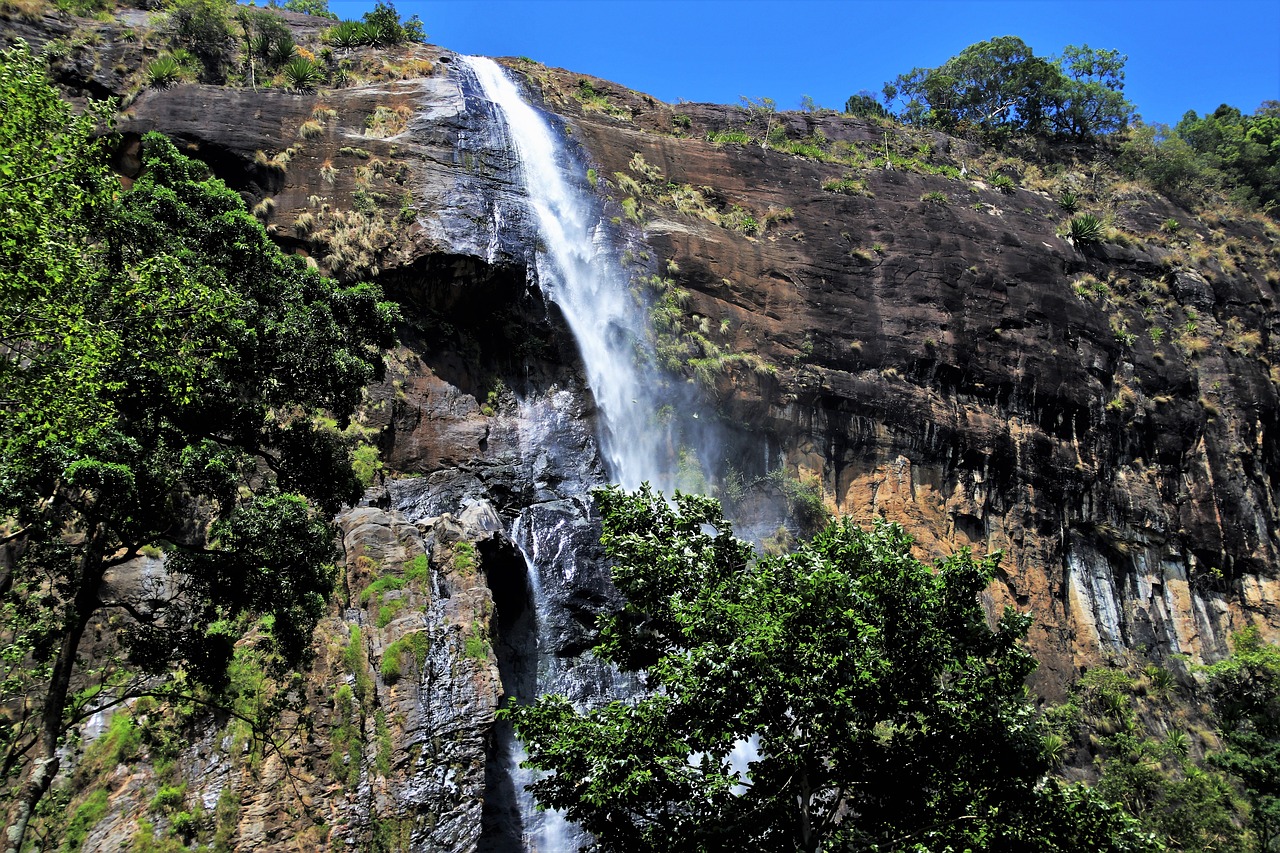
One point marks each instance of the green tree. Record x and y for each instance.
(1245, 691)
(1000, 86)
(319, 8)
(1165, 160)
(886, 713)
(865, 105)
(1245, 149)
(162, 366)
(1090, 96)
(386, 21)
(996, 85)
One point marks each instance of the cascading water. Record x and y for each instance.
(577, 269)
(579, 272)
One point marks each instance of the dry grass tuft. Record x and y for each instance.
(385, 122)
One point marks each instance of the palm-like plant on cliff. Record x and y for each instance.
(1086, 228)
(302, 74)
(161, 364)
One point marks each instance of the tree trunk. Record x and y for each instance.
(808, 838)
(46, 761)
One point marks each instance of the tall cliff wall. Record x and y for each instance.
(911, 341)
(1104, 413)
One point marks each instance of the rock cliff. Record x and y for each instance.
(865, 307)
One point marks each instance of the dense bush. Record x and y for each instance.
(204, 28)
(864, 105)
(1225, 153)
(382, 27)
(319, 8)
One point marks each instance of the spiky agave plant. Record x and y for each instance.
(346, 35)
(1086, 228)
(163, 72)
(301, 74)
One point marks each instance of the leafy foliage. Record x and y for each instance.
(1245, 690)
(162, 368)
(203, 27)
(319, 8)
(883, 711)
(1134, 730)
(381, 27)
(1000, 86)
(865, 105)
(1223, 153)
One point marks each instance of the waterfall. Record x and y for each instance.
(578, 270)
(577, 266)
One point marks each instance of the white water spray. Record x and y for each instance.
(579, 272)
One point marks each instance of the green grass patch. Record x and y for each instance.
(169, 798)
(464, 559)
(85, 818)
(418, 570)
(476, 646)
(418, 644)
(387, 612)
(374, 591)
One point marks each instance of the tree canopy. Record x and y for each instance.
(1245, 691)
(1244, 148)
(162, 366)
(1001, 86)
(886, 712)
(1224, 152)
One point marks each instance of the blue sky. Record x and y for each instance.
(1182, 55)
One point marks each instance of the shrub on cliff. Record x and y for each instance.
(203, 27)
(162, 367)
(882, 710)
(382, 27)
(1245, 690)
